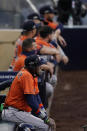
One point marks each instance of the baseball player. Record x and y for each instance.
(29, 48)
(48, 14)
(46, 37)
(23, 103)
(36, 19)
(29, 31)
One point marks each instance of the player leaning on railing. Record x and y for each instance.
(23, 103)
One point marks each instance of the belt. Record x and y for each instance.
(11, 108)
(5, 107)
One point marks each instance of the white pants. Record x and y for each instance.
(50, 85)
(53, 80)
(19, 117)
(49, 90)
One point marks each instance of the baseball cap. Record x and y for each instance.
(28, 25)
(33, 16)
(46, 10)
(34, 60)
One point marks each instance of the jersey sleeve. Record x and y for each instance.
(17, 65)
(18, 50)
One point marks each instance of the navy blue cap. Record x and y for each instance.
(46, 10)
(34, 60)
(28, 25)
(33, 16)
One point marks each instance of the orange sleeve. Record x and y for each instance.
(28, 85)
(18, 65)
(19, 50)
(52, 25)
(38, 46)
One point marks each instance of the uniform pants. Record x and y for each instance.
(14, 115)
(53, 80)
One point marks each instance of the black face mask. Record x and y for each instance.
(38, 26)
(33, 71)
(49, 19)
(49, 41)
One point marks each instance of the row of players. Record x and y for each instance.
(37, 55)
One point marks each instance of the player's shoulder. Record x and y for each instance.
(21, 58)
(25, 73)
(19, 41)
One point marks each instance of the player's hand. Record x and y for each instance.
(65, 59)
(51, 68)
(52, 124)
(62, 41)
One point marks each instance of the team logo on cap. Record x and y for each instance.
(35, 17)
(46, 11)
(34, 27)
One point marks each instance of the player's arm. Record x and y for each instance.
(32, 102)
(51, 51)
(59, 28)
(48, 67)
(35, 103)
(57, 36)
(30, 95)
(33, 99)
(5, 84)
(64, 58)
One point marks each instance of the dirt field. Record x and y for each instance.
(69, 107)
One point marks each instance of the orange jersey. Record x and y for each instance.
(18, 48)
(19, 63)
(53, 25)
(19, 42)
(39, 41)
(24, 83)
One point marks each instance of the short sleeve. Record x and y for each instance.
(17, 65)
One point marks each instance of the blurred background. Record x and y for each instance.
(13, 13)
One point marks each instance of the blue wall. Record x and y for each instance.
(76, 48)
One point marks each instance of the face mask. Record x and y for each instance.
(38, 71)
(38, 25)
(49, 19)
(35, 71)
